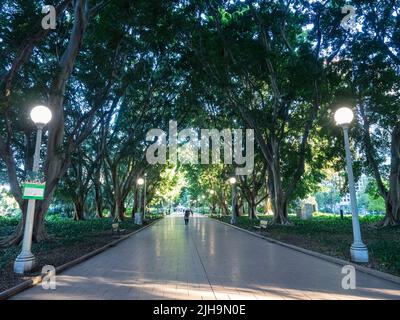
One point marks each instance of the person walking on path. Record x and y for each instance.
(187, 215)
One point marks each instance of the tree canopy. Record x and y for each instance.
(113, 70)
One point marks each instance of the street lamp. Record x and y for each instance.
(138, 215)
(145, 195)
(212, 192)
(358, 250)
(233, 181)
(25, 261)
(203, 207)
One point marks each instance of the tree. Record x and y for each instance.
(374, 80)
(59, 150)
(273, 74)
(252, 187)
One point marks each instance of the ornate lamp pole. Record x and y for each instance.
(25, 261)
(358, 250)
(145, 195)
(233, 181)
(139, 214)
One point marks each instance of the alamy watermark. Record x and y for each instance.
(349, 20)
(49, 21)
(187, 147)
(49, 279)
(349, 280)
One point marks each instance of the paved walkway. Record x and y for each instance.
(206, 260)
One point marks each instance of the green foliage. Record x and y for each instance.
(375, 201)
(65, 233)
(376, 204)
(8, 224)
(8, 206)
(197, 62)
(228, 18)
(169, 186)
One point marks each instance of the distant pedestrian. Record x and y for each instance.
(187, 213)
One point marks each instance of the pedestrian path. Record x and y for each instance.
(206, 260)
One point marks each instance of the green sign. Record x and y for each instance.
(33, 191)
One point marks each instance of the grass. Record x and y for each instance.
(330, 235)
(68, 240)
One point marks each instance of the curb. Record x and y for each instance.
(373, 272)
(38, 279)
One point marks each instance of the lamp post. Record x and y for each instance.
(358, 250)
(212, 193)
(25, 261)
(203, 207)
(145, 195)
(233, 181)
(138, 215)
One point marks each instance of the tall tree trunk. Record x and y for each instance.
(239, 205)
(99, 204)
(39, 232)
(278, 197)
(278, 202)
(391, 196)
(213, 206)
(135, 202)
(252, 207)
(119, 208)
(392, 200)
(113, 210)
(79, 205)
(97, 192)
(223, 206)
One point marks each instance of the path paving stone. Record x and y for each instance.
(206, 260)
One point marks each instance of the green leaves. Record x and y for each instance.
(228, 18)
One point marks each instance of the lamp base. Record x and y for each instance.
(24, 262)
(359, 252)
(138, 218)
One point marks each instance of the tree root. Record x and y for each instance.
(387, 222)
(13, 240)
(16, 238)
(42, 236)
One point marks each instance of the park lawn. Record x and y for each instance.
(332, 236)
(69, 240)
